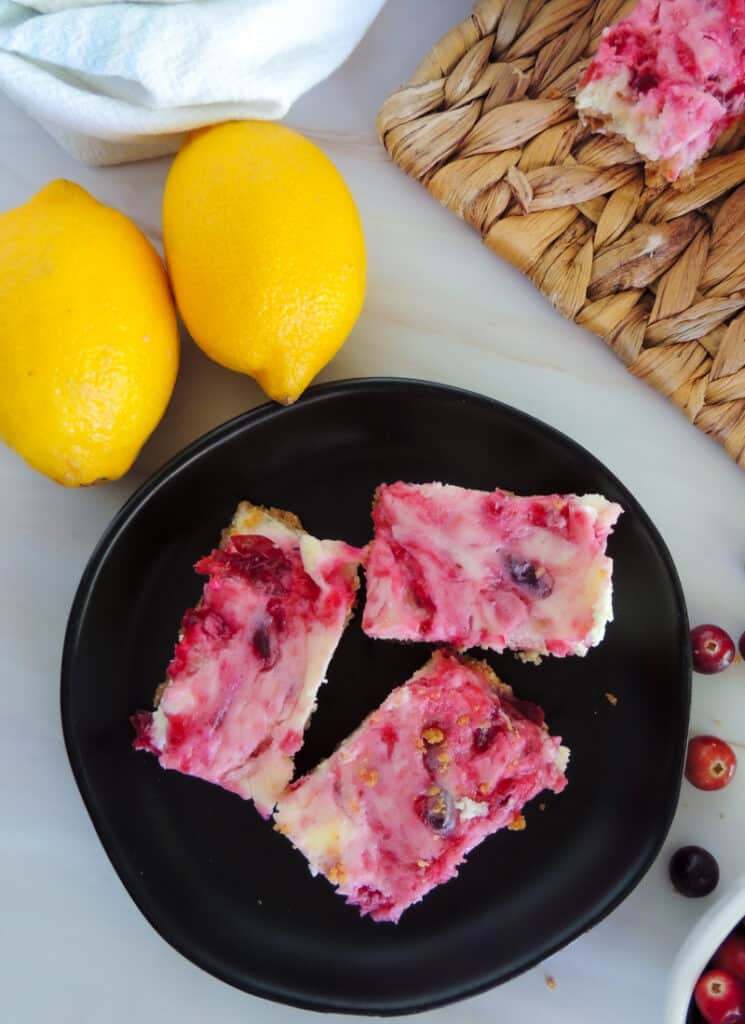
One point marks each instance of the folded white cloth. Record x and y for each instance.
(115, 81)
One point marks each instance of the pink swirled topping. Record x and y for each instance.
(489, 569)
(242, 683)
(449, 758)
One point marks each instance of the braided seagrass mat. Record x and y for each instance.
(487, 124)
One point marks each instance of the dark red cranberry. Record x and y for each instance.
(731, 955)
(261, 746)
(419, 593)
(531, 575)
(712, 649)
(644, 81)
(252, 557)
(529, 710)
(431, 759)
(199, 626)
(190, 618)
(265, 645)
(306, 588)
(261, 560)
(216, 563)
(741, 646)
(483, 737)
(693, 871)
(262, 644)
(710, 763)
(142, 723)
(255, 547)
(372, 901)
(211, 622)
(215, 626)
(422, 597)
(720, 997)
(438, 810)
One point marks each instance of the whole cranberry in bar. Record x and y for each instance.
(712, 648)
(710, 763)
(694, 871)
(531, 575)
(731, 955)
(720, 997)
(439, 811)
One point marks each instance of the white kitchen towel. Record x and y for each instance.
(115, 81)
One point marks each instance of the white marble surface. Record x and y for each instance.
(73, 947)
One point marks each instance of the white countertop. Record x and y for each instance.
(73, 947)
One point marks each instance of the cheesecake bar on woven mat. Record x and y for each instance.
(489, 569)
(670, 78)
(446, 760)
(252, 654)
(487, 124)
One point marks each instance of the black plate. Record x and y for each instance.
(213, 878)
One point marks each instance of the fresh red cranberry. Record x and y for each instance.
(693, 871)
(741, 646)
(712, 648)
(710, 763)
(731, 955)
(720, 997)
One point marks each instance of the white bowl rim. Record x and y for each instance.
(701, 944)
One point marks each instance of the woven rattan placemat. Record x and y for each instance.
(487, 124)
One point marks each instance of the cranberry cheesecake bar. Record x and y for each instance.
(489, 569)
(447, 759)
(242, 684)
(669, 78)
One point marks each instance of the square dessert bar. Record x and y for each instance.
(242, 684)
(489, 569)
(670, 78)
(446, 760)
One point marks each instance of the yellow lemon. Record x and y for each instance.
(265, 252)
(88, 336)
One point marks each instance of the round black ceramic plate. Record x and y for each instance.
(213, 878)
